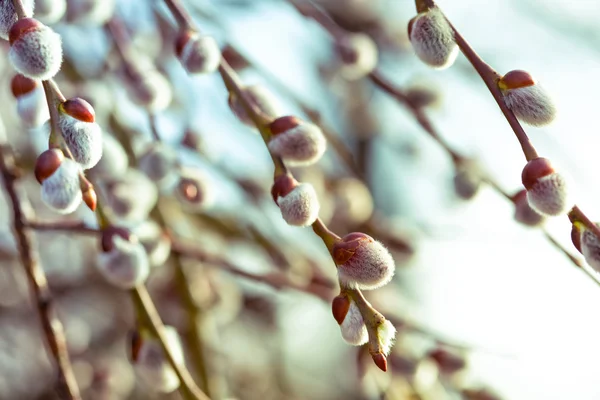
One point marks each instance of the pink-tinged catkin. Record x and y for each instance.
(358, 53)
(527, 99)
(363, 262)
(297, 142)
(523, 211)
(298, 202)
(61, 191)
(80, 131)
(123, 261)
(8, 15)
(31, 101)
(159, 163)
(261, 97)
(547, 190)
(353, 328)
(199, 54)
(35, 49)
(467, 180)
(590, 248)
(433, 39)
(151, 364)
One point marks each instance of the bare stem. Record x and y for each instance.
(68, 226)
(51, 325)
(19, 9)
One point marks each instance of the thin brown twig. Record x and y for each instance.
(51, 325)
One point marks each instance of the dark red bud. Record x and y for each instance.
(135, 344)
(191, 140)
(107, 237)
(534, 170)
(234, 58)
(47, 163)
(380, 360)
(189, 190)
(340, 306)
(20, 85)
(576, 236)
(79, 109)
(283, 124)
(282, 186)
(345, 249)
(21, 27)
(182, 40)
(447, 362)
(516, 79)
(346, 50)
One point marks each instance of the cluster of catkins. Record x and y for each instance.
(433, 40)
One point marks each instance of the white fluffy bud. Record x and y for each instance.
(297, 142)
(259, 95)
(359, 56)
(298, 203)
(114, 161)
(61, 191)
(84, 139)
(386, 334)
(151, 90)
(590, 248)
(8, 16)
(35, 50)
(131, 197)
(353, 327)
(50, 11)
(363, 262)
(90, 12)
(32, 108)
(527, 99)
(199, 54)
(433, 39)
(152, 366)
(467, 180)
(547, 190)
(159, 163)
(123, 262)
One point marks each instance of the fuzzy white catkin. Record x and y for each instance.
(126, 265)
(114, 160)
(156, 243)
(370, 267)
(61, 191)
(386, 333)
(50, 11)
(152, 365)
(433, 39)
(90, 12)
(159, 163)
(550, 195)
(153, 92)
(131, 197)
(263, 98)
(37, 54)
(8, 16)
(590, 248)
(32, 108)
(301, 206)
(366, 57)
(353, 328)
(531, 104)
(201, 55)
(84, 139)
(300, 146)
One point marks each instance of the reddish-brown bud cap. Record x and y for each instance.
(282, 186)
(189, 190)
(20, 85)
(234, 58)
(516, 79)
(534, 170)
(79, 109)
(22, 26)
(576, 236)
(380, 360)
(135, 344)
(340, 306)
(191, 140)
(283, 124)
(90, 198)
(47, 163)
(347, 52)
(447, 362)
(107, 234)
(182, 39)
(345, 249)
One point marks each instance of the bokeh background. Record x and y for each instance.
(469, 277)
